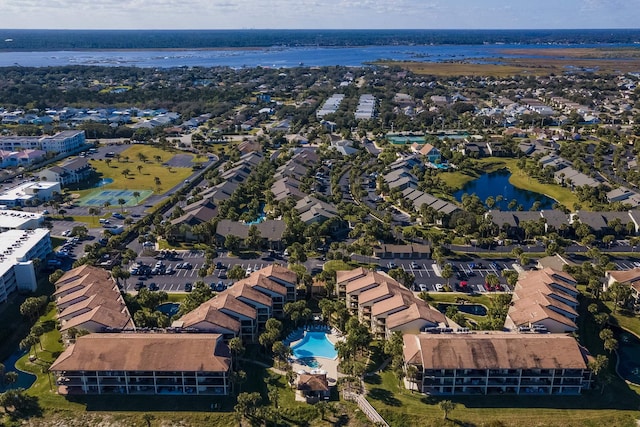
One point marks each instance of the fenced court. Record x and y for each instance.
(99, 197)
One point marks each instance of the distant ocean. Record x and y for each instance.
(284, 48)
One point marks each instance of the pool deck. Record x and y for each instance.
(329, 365)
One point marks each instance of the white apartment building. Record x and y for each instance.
(28, 192)
(68, 141)
(19, 220)
(18, 249)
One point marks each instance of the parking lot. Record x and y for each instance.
(428, 275)
(181, 275)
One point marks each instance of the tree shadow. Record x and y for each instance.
(372, 378)
(385, 396)
(342, 420)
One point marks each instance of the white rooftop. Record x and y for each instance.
(17, 219)
(15, 244)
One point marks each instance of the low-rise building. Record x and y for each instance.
(65, 142)
(29, 193)
(497, 363)
(544, 300)
(73, 171)
(19, 220)
(18, 250)
(184, 364)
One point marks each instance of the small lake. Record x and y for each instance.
(628, 355)
(25, 379)
(475, 309)
(497, 183)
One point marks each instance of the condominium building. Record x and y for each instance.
(19, 220)
(330, 106)
(67, 142)
(385, 306)
(135, 363)
(497, 363)
(544, 299)
(18, 250)
(29, 193)
(72, 171)
(88, 298)
(243, 309)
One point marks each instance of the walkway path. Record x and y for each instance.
(366, 407)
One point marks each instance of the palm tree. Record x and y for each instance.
(447, 406)
(93, 211)
(106, 204)
(126, 172)
(139, 168)
(136, 194)
(122, 202)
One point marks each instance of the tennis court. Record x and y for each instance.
(99, 197)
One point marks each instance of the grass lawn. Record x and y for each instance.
(143, 179)
(337, 265)
(402, 408)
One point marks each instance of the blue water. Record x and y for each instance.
(258, 220)
(497, 183)
(314, 344)
(629, 355)
(273, 57)
(103, 182)
(169, 308)
(476, 309)
(25, 379)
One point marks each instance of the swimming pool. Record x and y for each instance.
(314, 344)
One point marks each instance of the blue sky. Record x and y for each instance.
(320, 14)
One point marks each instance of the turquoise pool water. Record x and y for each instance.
(314, 344)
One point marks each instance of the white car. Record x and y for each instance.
(65, 233)
(423, 287)
(439, 287)
(415, 265)
(249, 271)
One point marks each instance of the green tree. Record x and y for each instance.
(147, 418)
(247, 404)
(447, 406)
(122, 202)
(236, 273)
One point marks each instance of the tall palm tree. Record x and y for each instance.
(122, 202)
(136, 194)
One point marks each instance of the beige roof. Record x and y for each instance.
(493, 351)
(559, 274)
(76, 282)
(525, 289)
(83, 270)
(145, 352)
(210, 315)
(104, 299)
(279, 272)
(244, 290)
(104, 316)
(399, 301)
(86, 292)
(625, 276)
(372, 278)
(349, 275)
(264, 282)
(544, 300)
(556, 262)
(529, 312)
(229, 302)
(375, 294)
(419, 310)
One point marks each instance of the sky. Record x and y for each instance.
(318, 14)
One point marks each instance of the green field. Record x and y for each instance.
(145, 177)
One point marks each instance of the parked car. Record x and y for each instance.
(139, 286)
(439, 287)
(153, 287)
(422, 287)
(415, 265)
(188, 287)
(391, 265)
